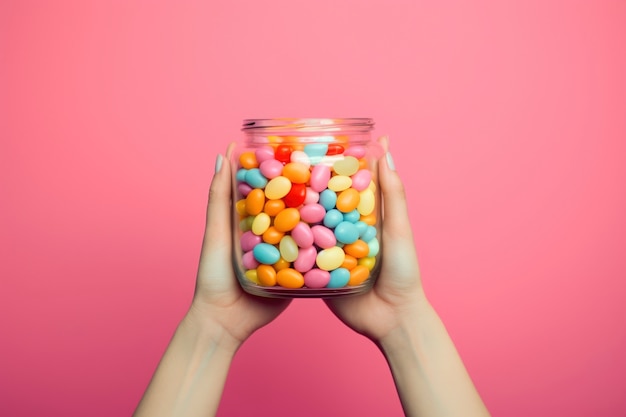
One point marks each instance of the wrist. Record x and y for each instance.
(207, 332)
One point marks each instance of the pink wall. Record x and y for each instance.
(508, 125)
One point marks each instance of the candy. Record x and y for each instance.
(307, 214)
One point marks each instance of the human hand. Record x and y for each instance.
(218, 297)
(397, 296)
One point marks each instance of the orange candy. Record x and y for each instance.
(272, 236)
(296, 172)
(287, 219)
(281, 264)
(255, 201)
(266, 275)
(358, 275)
(348, 200)
(273, 207)
(370, 219)
(349, 262)
(248, 160)
(358, 249)
(290, 278)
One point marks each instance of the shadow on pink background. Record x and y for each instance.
(507, 124)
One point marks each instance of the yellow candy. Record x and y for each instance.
(260, 223)
(296, 172)
(288, 249)
(277, 188)
(339, 183)
(290, 278)
(287, 219)
(251, 275)
(367, 202)
(331, 258)
(346, 166)
(368, 262)
(348, 200)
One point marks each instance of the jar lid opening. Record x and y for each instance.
(359, 124)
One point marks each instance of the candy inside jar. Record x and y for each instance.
(307, 207)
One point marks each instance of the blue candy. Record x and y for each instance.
(255, 179)
(374, 247)
(266, 253)
(328, 199)
(346, 232)
(352, 216)
(338, 278)
(332, 218)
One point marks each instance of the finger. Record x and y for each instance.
(396, 224)
(218, 228)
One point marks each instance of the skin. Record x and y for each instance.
(395, 314)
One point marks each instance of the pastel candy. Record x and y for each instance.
(367, 202)
(287, 219)
(361, 179)
(316, 278)
(243, 189)
(352, 216)
(260, 223)
(255, 178)
(320, 175)
(249, 261)
(328, 199)
(271, 168)
(296, 172)
(300, 157)
(248, 241)
(306, 259)
(356, 151)
(302, 235)
(338, 278)
(348, 200)
(339, 183)
(374, 247)
(312, 213)
(264, 153)
(311, 196)
(329, 259)
(323, 237)
(277, 187)
(332, 218)
(266, 253)
(346, 232)
(288, 249)
(347, 166)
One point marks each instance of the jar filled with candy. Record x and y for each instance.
(306, 207)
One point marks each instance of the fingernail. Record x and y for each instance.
(218, 163)
(390, 163)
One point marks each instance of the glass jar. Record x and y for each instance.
(306, 207)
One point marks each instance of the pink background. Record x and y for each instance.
(507, 123)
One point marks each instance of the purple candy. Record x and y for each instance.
(249, 240)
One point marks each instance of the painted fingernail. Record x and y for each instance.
(218, 163)
(390, 163)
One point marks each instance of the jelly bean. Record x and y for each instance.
(372, 186)
(316, 278)
(248, 160)
(328, 199)
(339, 183)
(255, 200)
(312, 213)
(281, 264)
(361, 227)
(264, 153)
(332, 218)
(369, 233)
(271, 168)
(273, 207)
(302, 235)
(323, 237)
(367, 202)
(334, 149)
(320, 175)
(261, 223)
(283, 153)
(358, 275)
(274, 139)
(248, 261)
(272, 236)
(241, 174)
(266, 274)
(349, 262)
(243, 189)
(356, 151)
(358, 249)
(374, 247)
(329, 259)
(240, 207)
(287, 219)
(369, 219)
(362, 163)
(352, 216)
(255, 178)
(348, 200)
(248, 241)
(290, 278)
(266, 253)
(251, 276)
(306, 259)
(311, 196)
(361, 180)
(277, 187)
(338, 278)
(301, 158)
(315, 151)
(346, 232)
(296, 172)
(246, 223)
(288, 249)
(296, 196)
(368, 262)
(347, 166)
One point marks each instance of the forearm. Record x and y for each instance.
(191, 375)
(428, 372)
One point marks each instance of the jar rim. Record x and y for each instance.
(288, 124)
